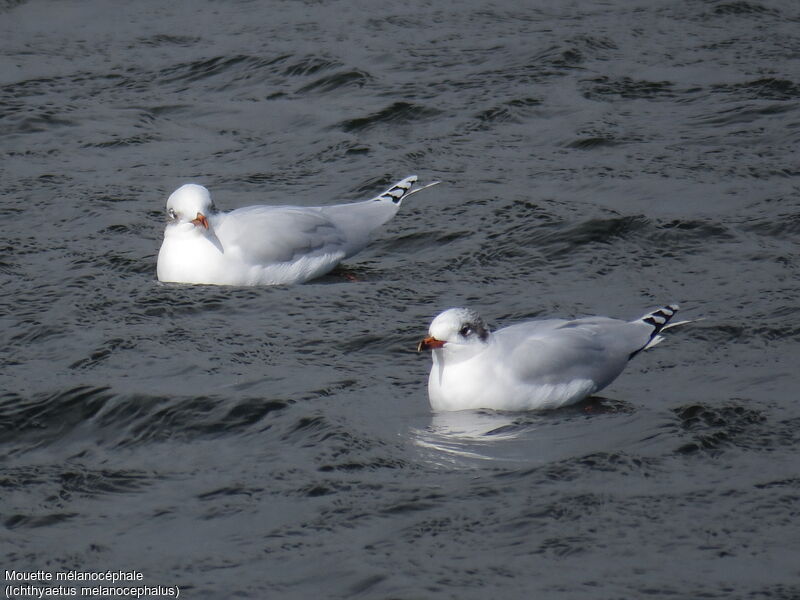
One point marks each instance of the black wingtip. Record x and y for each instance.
(399, 190)
(657, 319)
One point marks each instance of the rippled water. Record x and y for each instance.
(596, 158)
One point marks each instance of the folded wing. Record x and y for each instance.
(279, 234)
(559, 352)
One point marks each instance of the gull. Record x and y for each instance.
(534, 365)
(267, 245)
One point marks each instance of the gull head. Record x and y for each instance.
(190, 203)
(456, 328)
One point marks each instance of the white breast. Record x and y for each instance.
(190, 259)
(481, 383)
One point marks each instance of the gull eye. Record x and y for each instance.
(465, 330)
(172, 214)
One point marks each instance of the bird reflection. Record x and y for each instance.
(472, 434)
(462, 437)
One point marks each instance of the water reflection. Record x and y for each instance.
(472, 434)
(463, 437)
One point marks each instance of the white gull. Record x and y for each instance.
(267, 245)
(534, 365)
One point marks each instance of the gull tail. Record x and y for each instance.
(402, 189)
(358, 220)
(659, 320)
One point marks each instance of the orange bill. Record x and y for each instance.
(200, 220)
(429, 343)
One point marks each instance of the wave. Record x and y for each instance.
(396, 113)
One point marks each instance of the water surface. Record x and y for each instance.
(596, 158)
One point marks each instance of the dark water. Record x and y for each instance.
(597, 158)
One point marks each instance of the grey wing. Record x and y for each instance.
(275, 234)
(358, 220)
(557, 351)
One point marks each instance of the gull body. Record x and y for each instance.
(535, 365)
(267, 245)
